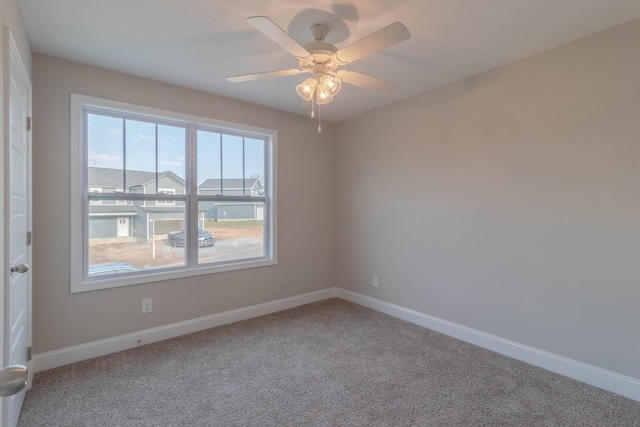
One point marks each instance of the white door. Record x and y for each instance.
(123, 227)
(17, 332)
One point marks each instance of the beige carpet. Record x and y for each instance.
(330, 363)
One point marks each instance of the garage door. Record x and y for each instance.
(164, 226)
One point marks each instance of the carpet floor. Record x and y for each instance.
(330, 363)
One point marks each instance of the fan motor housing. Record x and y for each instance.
(321, 51)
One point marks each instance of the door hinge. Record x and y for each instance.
(28, 238)
(28, 123)
(29, 353)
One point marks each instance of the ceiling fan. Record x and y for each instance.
(323, 60)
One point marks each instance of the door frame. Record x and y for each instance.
(10, 49)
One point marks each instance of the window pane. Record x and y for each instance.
(208, 163)
(127, 236)
(105, 148)
(171, 151)
(148, 153)
(140, 161)
(232, 165)
(254, 167)
(105, 142)
(236, 227)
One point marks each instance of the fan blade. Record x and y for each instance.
(270, 29)
(256, 76)
(381, 39)
(365, 81)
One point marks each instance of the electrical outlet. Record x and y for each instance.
(147, 305)
(374, 282)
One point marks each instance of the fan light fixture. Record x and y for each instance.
(307, 88)
(320, 88)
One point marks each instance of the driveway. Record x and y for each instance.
(224, 250)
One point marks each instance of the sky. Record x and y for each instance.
(108, 148)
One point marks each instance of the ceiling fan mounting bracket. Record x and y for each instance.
(319, 32)
(321, 51)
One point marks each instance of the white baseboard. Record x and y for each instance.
(65, 356)
(602, 378)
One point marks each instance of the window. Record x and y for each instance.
(95, 190)
(170, 191)
(120, 202)
(149, 214)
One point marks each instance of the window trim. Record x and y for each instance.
(78, 282)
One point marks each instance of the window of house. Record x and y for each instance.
(166, 217)
(120, 202)
(95, 190)
(171, 191)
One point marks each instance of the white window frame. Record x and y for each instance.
(79, 205)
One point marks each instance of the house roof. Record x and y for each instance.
(214, 183)
(112, 178)
(107, 177)
(164, 209)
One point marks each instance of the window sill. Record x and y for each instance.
(87, 285)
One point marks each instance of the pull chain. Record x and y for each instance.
(319, 119)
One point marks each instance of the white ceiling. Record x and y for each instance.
(198, 43)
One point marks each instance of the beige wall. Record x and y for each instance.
(10, 18)
(508, 202)
(305, 205)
